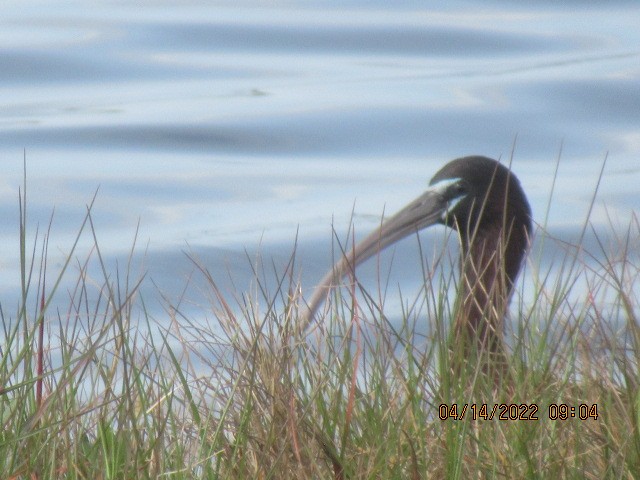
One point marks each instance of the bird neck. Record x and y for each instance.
(491, 259)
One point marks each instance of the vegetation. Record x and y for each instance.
(86, 394)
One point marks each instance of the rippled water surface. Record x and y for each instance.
(233, 126)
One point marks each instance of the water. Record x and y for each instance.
(238, 126)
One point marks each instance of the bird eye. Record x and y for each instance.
(458, 189)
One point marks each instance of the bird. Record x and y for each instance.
(483, 201)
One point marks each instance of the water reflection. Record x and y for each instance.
(231, 127)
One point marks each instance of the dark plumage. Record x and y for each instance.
(484, 202)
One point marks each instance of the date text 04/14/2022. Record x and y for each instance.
(515, 411)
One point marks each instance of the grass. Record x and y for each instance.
(86, 394)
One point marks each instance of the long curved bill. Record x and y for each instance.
(423, 212)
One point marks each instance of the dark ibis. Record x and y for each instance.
(483, 201)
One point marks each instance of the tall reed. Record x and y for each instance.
(105, 390)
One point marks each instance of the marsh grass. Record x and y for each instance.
(239, 394)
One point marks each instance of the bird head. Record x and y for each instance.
(478, 191)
